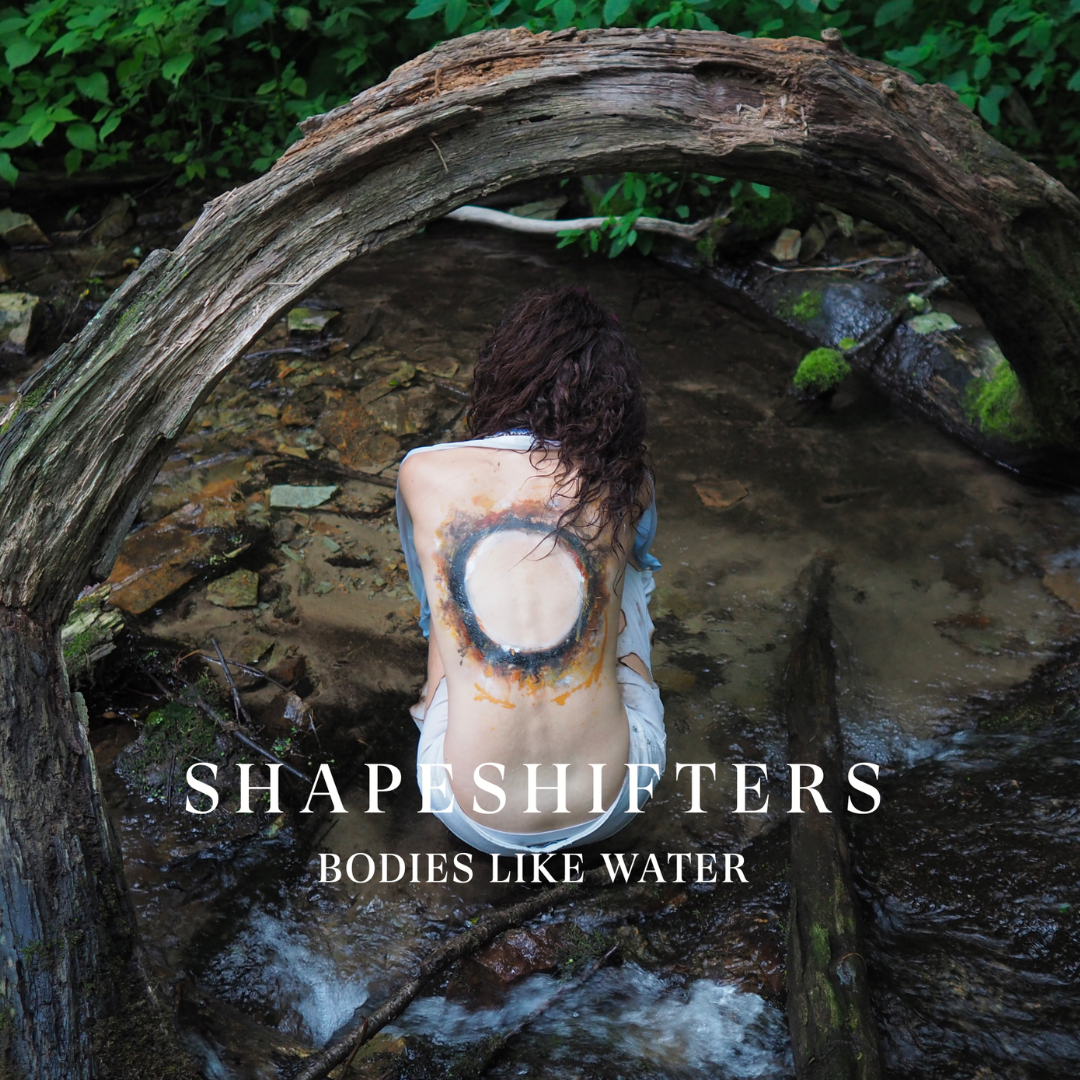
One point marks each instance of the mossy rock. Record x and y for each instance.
(997, 406)
(819, 374)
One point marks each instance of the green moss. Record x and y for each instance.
(801, 308)
(24, 404)
(999, 407)
(819, 946)
(762, 218)
(846, 344)
(820, 372)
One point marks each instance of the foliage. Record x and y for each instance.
(801, 308)
(214, 88)
(820, 372)
(998, 406)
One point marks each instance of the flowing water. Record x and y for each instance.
(952, 586)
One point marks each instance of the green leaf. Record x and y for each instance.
(73, 161)
(762, 189)
(297, 18)
(81, 136)
(981, 69)
(1074, 81)
(174, 68)
(95, 87)
(7, 170)
(614, 9)
(68, 43)
(455, 13)
(564, 11)
(250, 17)
(893, 11)
(499, 8)
(110, 125)
(990, 103)
(426, 8)
(20, 52)
(16, 137)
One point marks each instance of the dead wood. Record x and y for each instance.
(833, 1034)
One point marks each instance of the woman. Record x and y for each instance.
(531, 542)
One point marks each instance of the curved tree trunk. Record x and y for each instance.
(83, 443)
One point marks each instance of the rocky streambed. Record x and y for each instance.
(270, 534)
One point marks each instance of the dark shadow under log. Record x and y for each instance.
(833, 1034)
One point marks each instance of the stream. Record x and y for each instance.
(956, 628)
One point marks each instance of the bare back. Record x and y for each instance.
(524, 626)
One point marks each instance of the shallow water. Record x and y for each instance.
(939, 602)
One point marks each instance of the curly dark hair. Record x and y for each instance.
(560, 366)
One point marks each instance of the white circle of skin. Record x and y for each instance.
(525, 592)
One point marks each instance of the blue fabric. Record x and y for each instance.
(644, 534)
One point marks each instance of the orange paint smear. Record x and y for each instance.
(593, 676)
(483, 695)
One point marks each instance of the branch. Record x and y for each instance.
(464, 944)
(481, 215)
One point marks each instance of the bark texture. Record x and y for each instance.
(833, 1035)
(70, 962)
(81, 446)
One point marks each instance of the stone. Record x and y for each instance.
(304, 320)
(289, 671)
(357, 436)
(300, 497)
(295, 416)
(240, 589)
(21, 230)
(786, 246)
(250, 650)
(407, 412)
(360, 498)
(518, 953)
(542, 209)
(401, 376)
(1065, 585)
(116, 219)
(813, 241)
(722, 495)
(21, 316)
(283, 530)
(932, 321)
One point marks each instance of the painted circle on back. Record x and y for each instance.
(526, 593)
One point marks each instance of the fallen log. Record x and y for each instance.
(80, 446)
(833, 1034)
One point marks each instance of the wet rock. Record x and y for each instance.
(401, 376)
(813, 241)
(289, 671)
(239, 589)
(21, 316)
(295, 416)
(357, 437)
(786, 246)
(116, 219)
(1062, 577)
(250, 650)
(301, 497)
(360, 498)
(406, 413)
(304, 320)
(932, 321)
(723, 494)
(157, 560)
(21, 230)
(283, 530)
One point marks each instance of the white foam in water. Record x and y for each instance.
(309, 978)
(706, 1029)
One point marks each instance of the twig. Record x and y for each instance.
(482, 215)
(895, 317)
(245, 668)
(241, 712)
(837, 266)
(289, 350)
(464, 944)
